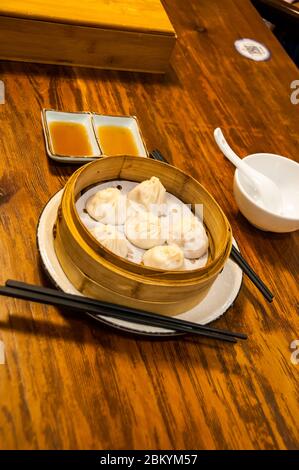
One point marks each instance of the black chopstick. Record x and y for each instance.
(122, 309)
(235, 255)
(52, 296)
(156, 155)
(242, 263)
(87, 308)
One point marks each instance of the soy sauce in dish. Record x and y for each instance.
(70, 138)
(117, 140)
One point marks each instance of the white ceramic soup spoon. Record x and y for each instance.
(263, 190)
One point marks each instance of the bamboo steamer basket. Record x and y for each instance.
(98, 272)
(176, 182)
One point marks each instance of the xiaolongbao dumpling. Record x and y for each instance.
(112, 239)
(168, 257)
(144, 230)
(175, 210)
(107, 206)
(189, 234)
(151, 194)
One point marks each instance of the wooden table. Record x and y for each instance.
(72, 384)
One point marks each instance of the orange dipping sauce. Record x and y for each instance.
(70, 138)
(117, 140)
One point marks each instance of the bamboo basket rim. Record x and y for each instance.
(123, 296)
(92, 288)
(139, 278)
(120, 262)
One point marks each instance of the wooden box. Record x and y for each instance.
(115, 34)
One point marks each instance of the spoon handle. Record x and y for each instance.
(232, 156)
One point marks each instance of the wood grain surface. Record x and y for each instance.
(72, 384)
(28, 41)
(115, 14)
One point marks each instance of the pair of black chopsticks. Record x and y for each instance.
(44, 295)
(235, 254)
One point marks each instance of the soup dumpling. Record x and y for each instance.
(190, 235)
(168, 257)
(151, 194)
(112, 239)
(107, 206)
(144, 230)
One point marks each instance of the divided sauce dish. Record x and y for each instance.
(80, 137)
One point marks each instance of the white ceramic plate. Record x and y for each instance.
(220, 297)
